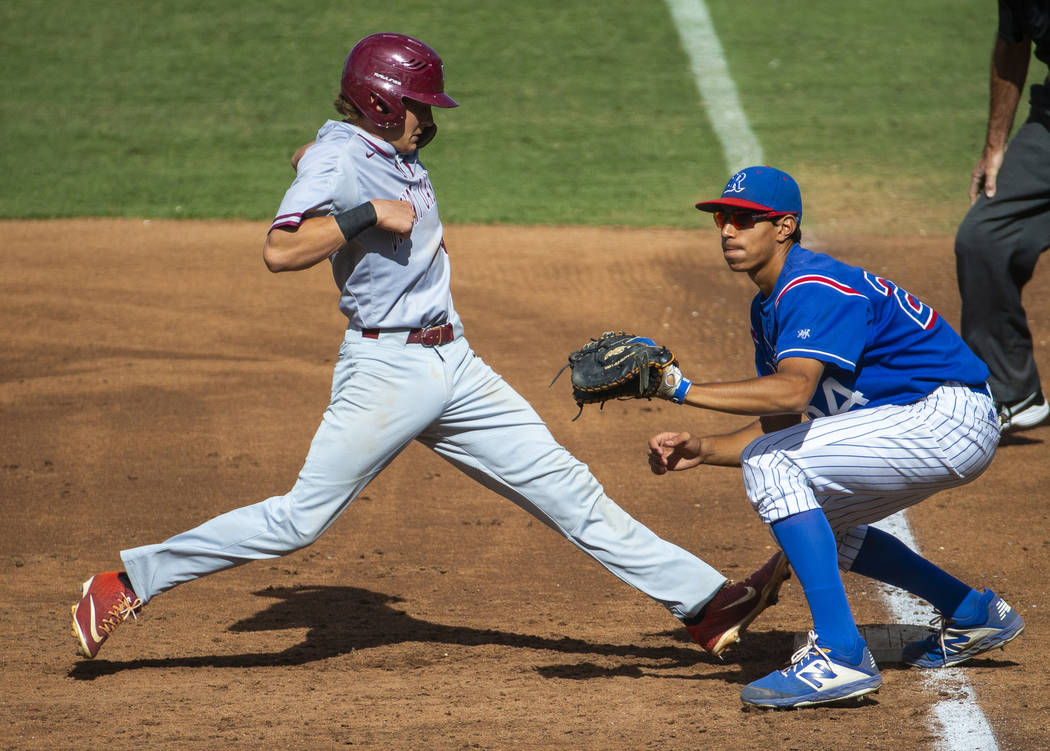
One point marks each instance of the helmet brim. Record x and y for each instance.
(440, 99)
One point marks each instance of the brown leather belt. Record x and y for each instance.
(431, 336)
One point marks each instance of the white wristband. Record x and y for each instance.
(674, 385)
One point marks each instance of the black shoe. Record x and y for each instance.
(1024, 414)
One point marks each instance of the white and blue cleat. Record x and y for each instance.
(816, 675)
(953, 643)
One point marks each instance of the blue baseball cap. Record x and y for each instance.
(763, 189)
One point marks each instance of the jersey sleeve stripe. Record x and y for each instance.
(820, 355)
(287, 220)
(816, 279)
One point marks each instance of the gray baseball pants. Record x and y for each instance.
(996, 249)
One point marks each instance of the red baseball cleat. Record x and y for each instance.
(106, 603)
(736, 604)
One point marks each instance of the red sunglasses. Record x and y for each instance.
(743, 219)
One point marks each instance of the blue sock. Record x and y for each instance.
(810, 546)
(885, 558)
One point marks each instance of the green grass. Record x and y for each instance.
(877, 107)
(571, 112)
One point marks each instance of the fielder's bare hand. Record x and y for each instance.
(671, 452)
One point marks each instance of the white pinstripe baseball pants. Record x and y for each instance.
(862, 466)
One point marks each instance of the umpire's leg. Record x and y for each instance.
(996, 249)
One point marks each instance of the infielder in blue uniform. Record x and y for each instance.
(363, 200)
(898, 409)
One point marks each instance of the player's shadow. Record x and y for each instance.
(341, 620)
(1018, 439)
(758, 653)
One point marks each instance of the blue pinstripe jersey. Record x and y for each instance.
(880, 345)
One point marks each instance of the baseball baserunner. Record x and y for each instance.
(363, 200)
(898, 409)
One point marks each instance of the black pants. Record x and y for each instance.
(996, 249)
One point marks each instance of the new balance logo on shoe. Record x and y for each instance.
(1003, 608)
(817, 673)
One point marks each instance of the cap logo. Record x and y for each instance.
(736, 183)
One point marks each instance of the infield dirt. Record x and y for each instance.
(154, 375)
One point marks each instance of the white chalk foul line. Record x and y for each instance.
(963, 727)
(717, 90)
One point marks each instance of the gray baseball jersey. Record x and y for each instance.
(385, 281)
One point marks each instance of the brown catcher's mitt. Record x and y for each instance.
(617, 366)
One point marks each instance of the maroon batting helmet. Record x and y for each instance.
(382, 70)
